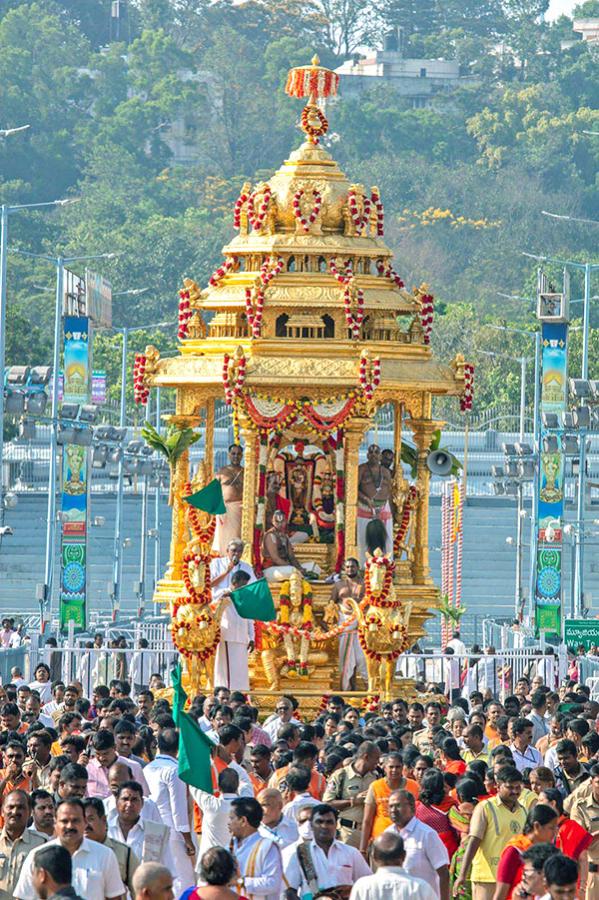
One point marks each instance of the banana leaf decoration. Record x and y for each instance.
(172, 445)
(409, 455)
(451, 614)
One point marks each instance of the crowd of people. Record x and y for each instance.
(468, 798)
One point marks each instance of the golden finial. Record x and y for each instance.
(315, 60)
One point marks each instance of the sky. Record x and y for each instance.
(558, 7)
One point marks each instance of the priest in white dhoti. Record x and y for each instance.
(228, 525)
(237, 634)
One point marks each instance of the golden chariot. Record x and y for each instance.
(306, 331)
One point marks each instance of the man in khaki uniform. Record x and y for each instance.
(347, 788)
(585, 811)
(424, 739)
(16, 841)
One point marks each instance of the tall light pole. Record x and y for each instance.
(587, 269)
(59, 263)
(117, 566)
(5, 212)
(518, 600)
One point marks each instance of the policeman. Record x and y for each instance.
(347, 789)
(585, 811)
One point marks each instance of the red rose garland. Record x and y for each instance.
(220, 273)
(354, 320)
(342, 278)
(368, 387)
(359, 221)
(140, 391)
(468, 396)
(268, 271)
(237, 209)
(427, 311)
(233, 390)
(185, 313)
(254, 312)
(256, 220)
(297, 212)
(408, 506)
(375, 199)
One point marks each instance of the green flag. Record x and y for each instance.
(209, 499)
(195, 749)
(254, 601)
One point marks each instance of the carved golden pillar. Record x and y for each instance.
(397, 423)
(354, 432)
(209, 438)
(423, 430)
(174, 570)
(251, 442)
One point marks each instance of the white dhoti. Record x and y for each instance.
(184, 875)
(351, 655)
(231, 666)
(282, 573)
(365, 515)
(228, 527)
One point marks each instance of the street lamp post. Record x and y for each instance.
(587, 269)
(5, 212)
(45, 599)
(157, 508)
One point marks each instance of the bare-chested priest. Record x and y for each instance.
(351, 656)
(228, 527)
(278, 556)
(375, 488)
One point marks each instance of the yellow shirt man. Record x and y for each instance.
(494, 824)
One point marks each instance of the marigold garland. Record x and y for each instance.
(314, 132)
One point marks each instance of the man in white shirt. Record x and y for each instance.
(540, 725)
(16, 677)
(283, 828)
(149, 841)
(426, 856)
(144, 663)
(232, 744)
(215, 809)
(525, 756)
(258, 856)
(391, 880)
(457, 644)
(95, 867)
(326, 863)
(237, 634)
(284, 715)
(119, 774)
(170, 795)
(298, 781)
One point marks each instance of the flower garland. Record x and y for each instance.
(354, 320)
(297, 212)
(256, 220)
(375, 199)
(261, 502)
(391, 656)
(306, 80)
(467, 398)
(254, 310)
(339, 501)
(185, 313)
(427, 311)
(360, 221)
(238, 209)
(343, 278)
(233, 390)
(203, 533)
(268, 271)
(378, 601)
(318, 637)
(285, 604)
(217, 276)
(201, 655)
(141, 392)
(314, 132)
(409, 504)
(369, 386)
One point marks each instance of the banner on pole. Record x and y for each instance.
(550, 496)
(75, 468)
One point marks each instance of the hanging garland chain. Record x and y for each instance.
(367, 386)
(342, 277)
(220, 273)
(360, 221)
(375, 199)
(256, 220)
(314, 132)
(233, 390)
(238, 208)
(141, 393)
(468, 396)
(297, 212)
(354, 320)
(427, 311)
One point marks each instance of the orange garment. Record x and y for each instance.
(21, 784)
(316, 787)
(382, 792)
(258, 783)
(491, 732)
(455, 766)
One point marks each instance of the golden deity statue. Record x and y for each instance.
(308, 335)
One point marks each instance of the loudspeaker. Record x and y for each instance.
(439, 463)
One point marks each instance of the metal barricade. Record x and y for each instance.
(13, 656)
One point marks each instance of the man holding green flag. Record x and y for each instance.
(195, 749)
(237, 632)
